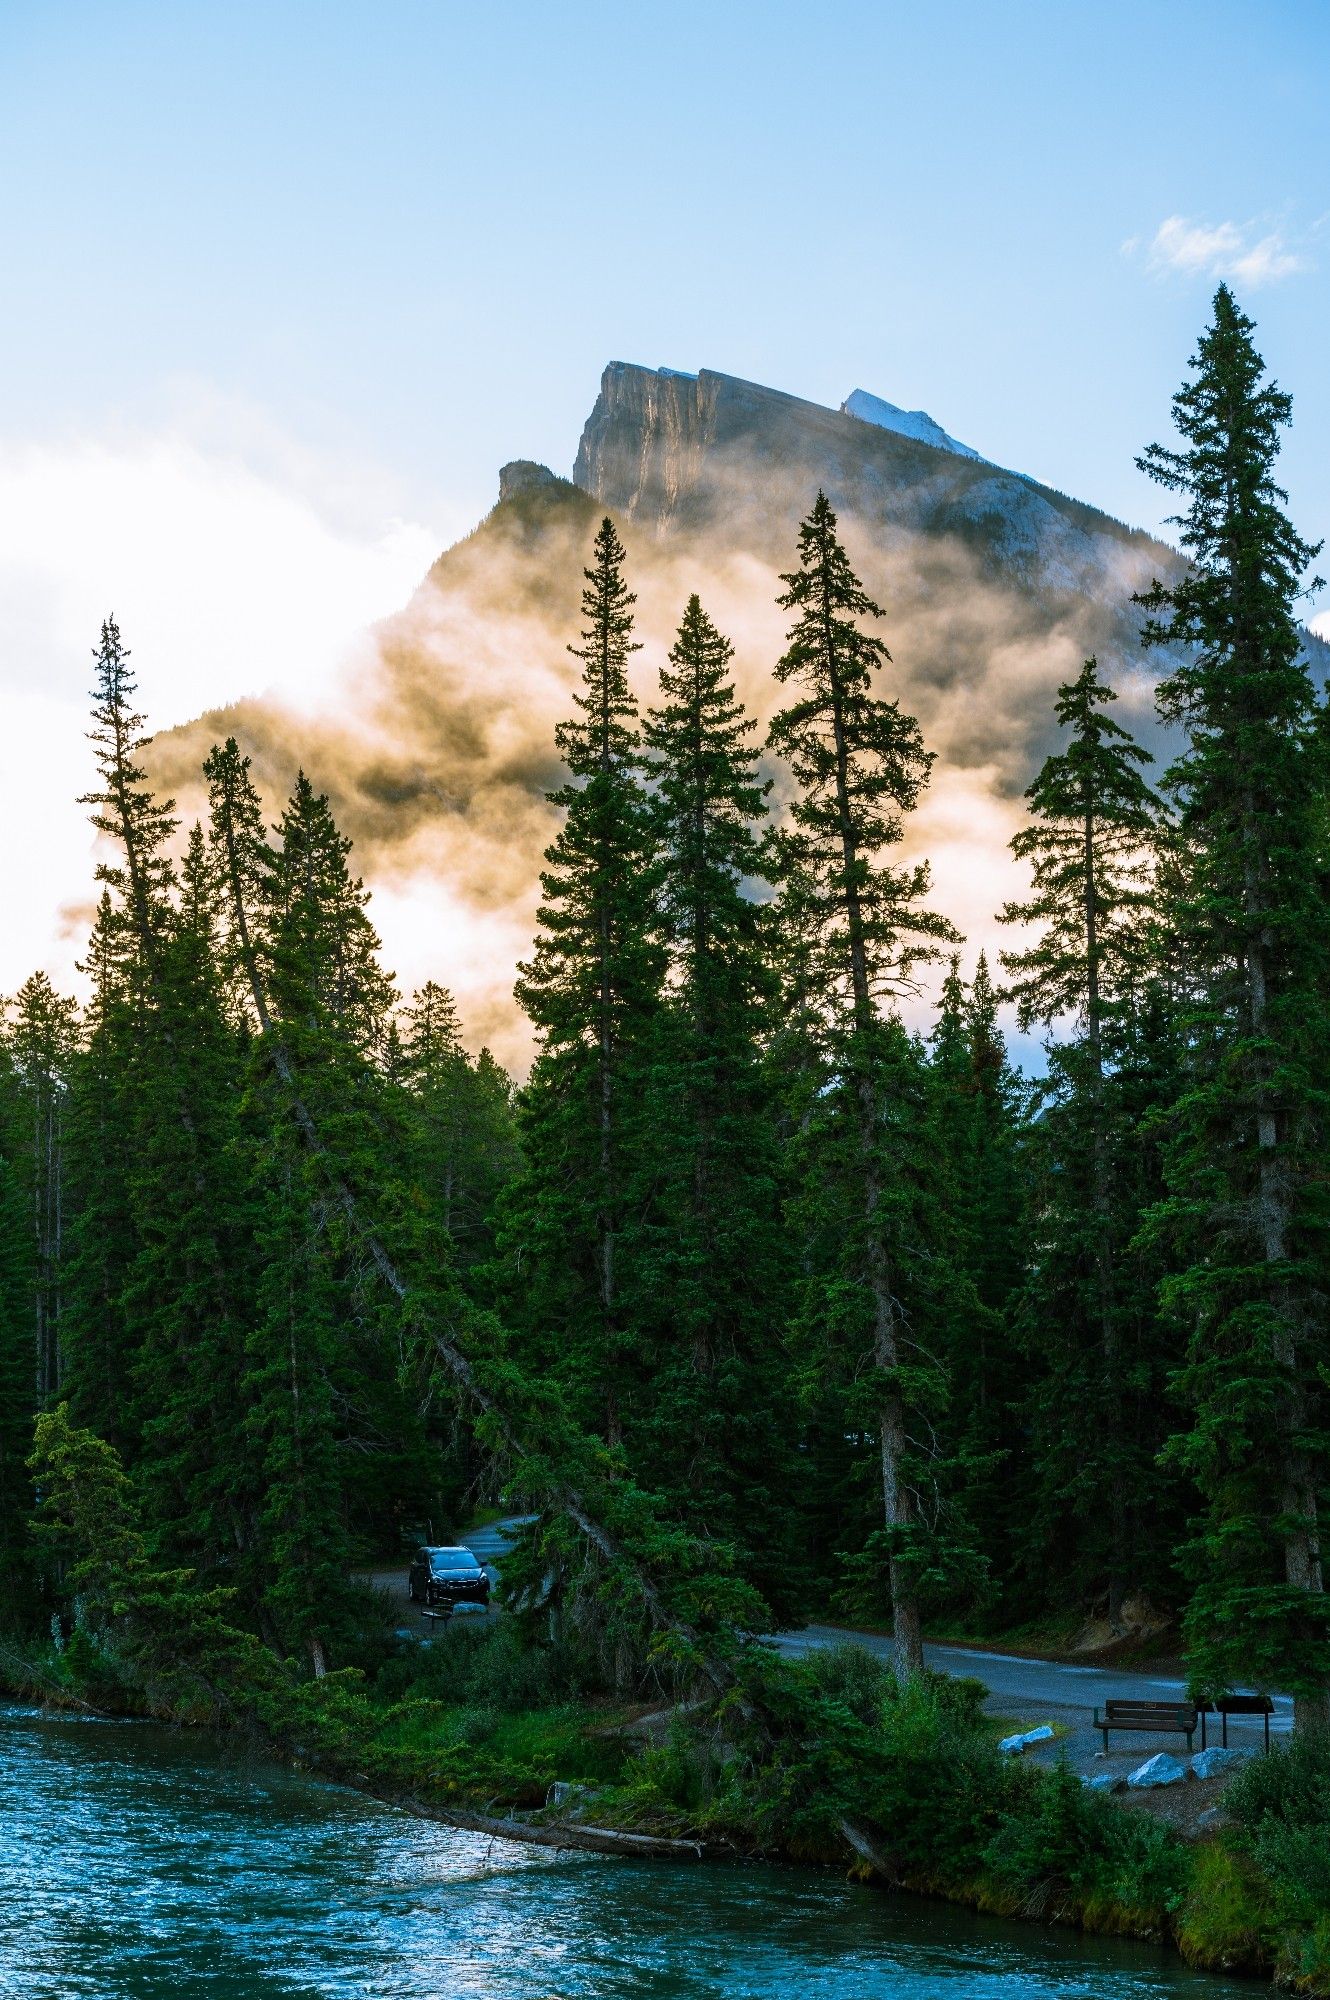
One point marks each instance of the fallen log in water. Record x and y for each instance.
(595, 1839)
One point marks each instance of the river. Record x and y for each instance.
(139, 1863)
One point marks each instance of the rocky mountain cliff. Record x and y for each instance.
(711, 454)
(439, 752)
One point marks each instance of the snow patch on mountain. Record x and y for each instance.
(910, 423)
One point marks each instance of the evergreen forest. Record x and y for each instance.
(760, 1304)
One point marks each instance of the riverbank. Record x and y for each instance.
(468, 1735)
(172, 1862)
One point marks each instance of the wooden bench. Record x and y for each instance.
(1164, 1718)
(1238, 1704)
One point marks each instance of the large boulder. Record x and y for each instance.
(1158, 1770)
(1215, 1761)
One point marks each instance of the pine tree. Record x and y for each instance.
(463, 1135)
(244, 868)
(334, 1398)
(709, 1276)
(1248, 1165)
(1089, 839)
(861, 766)
(591, 990)
(140, 877)
(325, 971)
(161, 1325)
(97, 1357)
(129, 939)
(187, 1296)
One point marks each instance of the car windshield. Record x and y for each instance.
(452, 1559)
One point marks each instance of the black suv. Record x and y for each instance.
(447, 1576)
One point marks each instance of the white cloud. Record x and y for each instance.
(1220, 250)
(228, 574)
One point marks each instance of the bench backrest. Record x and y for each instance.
(1180, 1713)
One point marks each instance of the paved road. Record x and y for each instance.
(1026, 1691)
(1034, 1691)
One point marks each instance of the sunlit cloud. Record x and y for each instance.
(228, 574)
(1236, 250)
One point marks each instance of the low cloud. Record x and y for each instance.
(437, 749)
(1236, 250)
(231, 568)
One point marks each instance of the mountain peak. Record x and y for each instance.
(909, 423)
(524, 475)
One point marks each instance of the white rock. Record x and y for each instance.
(1210, 1763)
(1159, 1770)
(1012, 1746)
(1105, 1781)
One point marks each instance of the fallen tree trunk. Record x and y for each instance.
(595, 1839)
(710, 1660)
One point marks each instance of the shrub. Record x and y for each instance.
(1225, 1921)
(1281, 1808)
(853, 1679)
(493, 1664)
(1058, 1844)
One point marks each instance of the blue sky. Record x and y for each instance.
(285, 284)
(412, 234)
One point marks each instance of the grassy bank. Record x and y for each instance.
(480, 1720)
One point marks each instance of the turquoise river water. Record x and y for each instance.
(161, 1865)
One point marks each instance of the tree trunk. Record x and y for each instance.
(1303, 1568)
(897, 1500)
(1110, 1346)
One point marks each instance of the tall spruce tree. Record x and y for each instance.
(139, 874)
(326, 1382)
(121, 1082)
(1089, 842)
(463, 1138)
(1248, 1162)
(709, 1277)
(96, 1357)
(178, 1308)
(187, 1295)
(591, 990)
(861, 766)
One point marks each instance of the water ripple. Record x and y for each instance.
(148, 1864)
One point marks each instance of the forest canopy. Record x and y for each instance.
(762, 1302)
